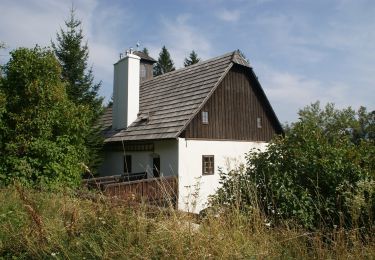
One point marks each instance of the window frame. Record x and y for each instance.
(211, 167)
(259, 122)
(205, 117)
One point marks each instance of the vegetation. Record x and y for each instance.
(311, 194)
(320, 175)
(41, 130)
(38, 225)
(193, 58)
(145, 51)
(164, 64)
(73, 56)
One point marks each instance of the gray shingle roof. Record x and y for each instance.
(144, 56)
(168, 102)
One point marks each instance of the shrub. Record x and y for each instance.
(42, 133)
(321, 174)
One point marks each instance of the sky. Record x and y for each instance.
(302, 51)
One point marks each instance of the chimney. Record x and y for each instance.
(125, 90)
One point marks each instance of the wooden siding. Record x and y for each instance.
(233, 110)
(149, 71)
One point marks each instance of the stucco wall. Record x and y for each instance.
(194, 188)
(142, 161)
(183, 158)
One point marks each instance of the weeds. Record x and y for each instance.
(76, 228)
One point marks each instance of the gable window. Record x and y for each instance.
(204, 117)
(142, 71)
(208, 165)
(127, 163)
(259, 122)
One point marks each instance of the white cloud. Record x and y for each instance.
(289, 92)
(38, 21)
(229, 15)
(180, 39)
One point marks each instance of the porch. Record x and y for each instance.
(136, 188)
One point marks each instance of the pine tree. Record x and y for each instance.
(164, 64)
(145, 51)
(73, 55)
(193, 58)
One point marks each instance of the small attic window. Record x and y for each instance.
(204, 117)
(259, 122)
(142, 71)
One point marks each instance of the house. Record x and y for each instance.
(186, 123)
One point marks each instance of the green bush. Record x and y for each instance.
(321, 174)
(42, 132)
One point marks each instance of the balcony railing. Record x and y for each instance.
(156, 191)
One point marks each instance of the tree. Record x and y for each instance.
(73, 56)
(145, 51)
(43, 133)
(193, 58)
(2, 46)
(81, 89)
(164, 64)
(321, 174)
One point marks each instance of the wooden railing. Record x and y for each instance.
(158, 191)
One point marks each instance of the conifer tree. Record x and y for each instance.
(164, 64)
(145, 51)
(193, 58)
(73, 55)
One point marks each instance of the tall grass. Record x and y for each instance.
(36, 224)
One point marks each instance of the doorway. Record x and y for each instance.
(156, 167)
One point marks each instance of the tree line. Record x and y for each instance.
(165, 63)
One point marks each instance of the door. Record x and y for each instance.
(156, 167)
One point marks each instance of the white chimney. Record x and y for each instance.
(125, 91)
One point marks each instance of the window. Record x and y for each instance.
(127, 163)
(143, 71)
(259, 122)
(204, 117)
(208, 164)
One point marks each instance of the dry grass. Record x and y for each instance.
(60, 225)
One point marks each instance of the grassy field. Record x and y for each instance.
(35, 225)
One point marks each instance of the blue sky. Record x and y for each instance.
(302, 51)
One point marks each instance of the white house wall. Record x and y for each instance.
(167, 150)
(194, 188)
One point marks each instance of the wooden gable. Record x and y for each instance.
(237, 110)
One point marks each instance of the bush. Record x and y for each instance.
(42, 133)
(321, 174)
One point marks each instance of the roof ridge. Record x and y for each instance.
(192, 66)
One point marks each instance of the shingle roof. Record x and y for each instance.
(168, 102)
(144, 56)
